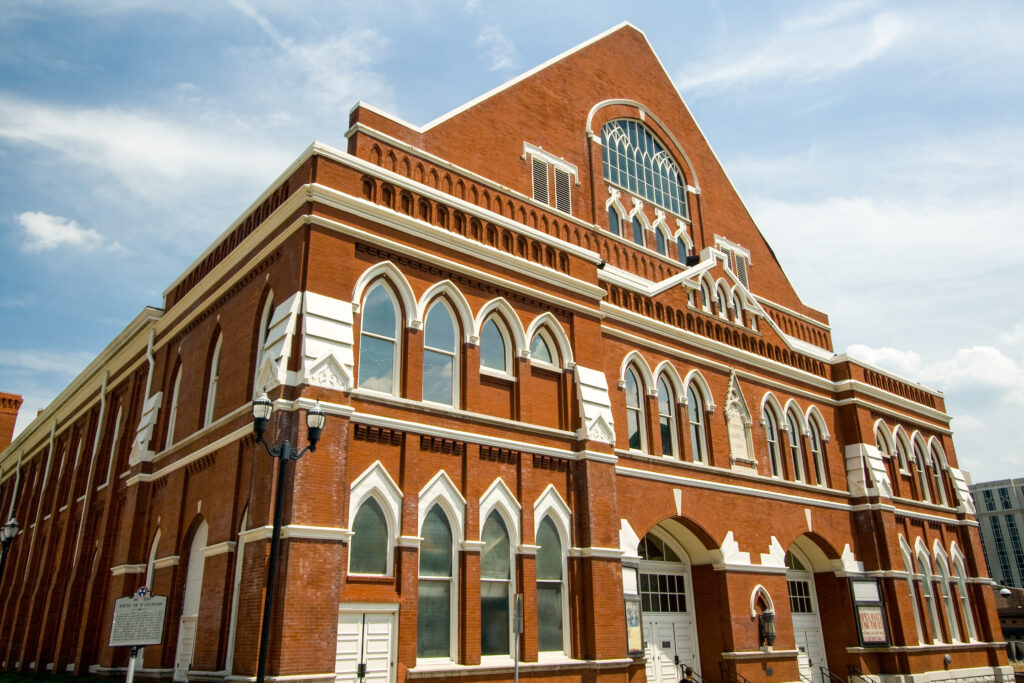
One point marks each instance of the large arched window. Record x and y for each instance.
(614, 221)
(495, 588)
(695, 412)
(682, 250)
(634, 411)
(902, 452)
(495, 346)
(705, 295)
(211, 387)
(436, 599)
(378, 341)
(723, 302)
(771, 431)
(370, 544)
(796, 453)
(634, 159)
(440, 356)
(667, 417)
(550, 589)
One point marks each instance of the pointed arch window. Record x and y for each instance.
(695, 411)
(796, 453)
(928, 593)
(660, 245)
(638, 232)
(817, 453)
(172, 418)
(947, 599)
(440, 356)
(667, 417)
(965, 598)
(705, 296)
(495, 587)
(635, 159)
(634, 411)
(370, 544)
(540, 348)
(495, 346)
(436, 599)
(614, 221)
(723, 302)
(940, 487)
(378, 341)
(922, 476)
(211, 389)
(550, 589)
(682, 251)
(771, 430)
(902, 454)
(908, 565)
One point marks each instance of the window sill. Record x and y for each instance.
(369, 578)
(496, 374)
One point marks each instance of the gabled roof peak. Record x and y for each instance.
(504, 86)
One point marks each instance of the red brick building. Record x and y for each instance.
(558, 360)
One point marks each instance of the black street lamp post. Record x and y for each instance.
(284, 452)
(7, 534)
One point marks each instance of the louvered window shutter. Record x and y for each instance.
(540, 180)
(563, 192)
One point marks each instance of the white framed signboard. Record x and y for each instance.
(138, 622)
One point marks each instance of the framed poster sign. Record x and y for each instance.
(634, 629)
(869, 609)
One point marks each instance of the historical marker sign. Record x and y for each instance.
(138, 622)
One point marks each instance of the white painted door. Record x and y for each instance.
(807, 630)
(186, 645)
(669, 647)
(365, 650)
(803, 605)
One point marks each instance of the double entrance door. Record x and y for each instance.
(669, 635)
(366, 647)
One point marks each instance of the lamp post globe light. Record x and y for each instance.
(7, 533)
(262, 408)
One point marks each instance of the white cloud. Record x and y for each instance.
(44, 232)
(496, 47)
(65, 364)
(805, 49)
(334, 72)
(155, 157)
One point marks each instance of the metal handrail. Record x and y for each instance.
(830, 676)
(854, 671)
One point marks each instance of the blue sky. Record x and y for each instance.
(879, 147)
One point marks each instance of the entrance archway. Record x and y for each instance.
(666, 593)
(803, 605)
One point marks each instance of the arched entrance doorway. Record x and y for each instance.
(803, 605)
(666, 591)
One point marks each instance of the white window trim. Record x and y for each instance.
(396, 360)
(498, 498)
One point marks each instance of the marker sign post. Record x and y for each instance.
(138, 621)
